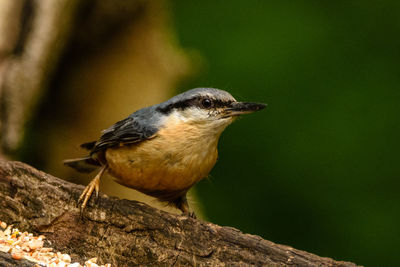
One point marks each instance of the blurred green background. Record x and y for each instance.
(318, 169)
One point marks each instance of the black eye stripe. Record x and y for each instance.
(220, 103)
(193, 102)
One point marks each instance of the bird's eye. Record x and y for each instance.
(206, 103)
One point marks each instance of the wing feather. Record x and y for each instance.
(127, 131)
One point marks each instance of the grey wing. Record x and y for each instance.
(126, 131)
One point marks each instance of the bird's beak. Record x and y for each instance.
(239, 108)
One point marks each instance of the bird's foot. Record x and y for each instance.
(88, 191)
(192, 215)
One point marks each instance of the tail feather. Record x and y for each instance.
(88, 145)
(85, 164)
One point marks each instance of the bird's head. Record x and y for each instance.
(208, 108)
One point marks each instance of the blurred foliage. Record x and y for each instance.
(319, 168)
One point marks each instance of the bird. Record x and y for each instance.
(164, 149)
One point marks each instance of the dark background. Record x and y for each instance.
(319, 168)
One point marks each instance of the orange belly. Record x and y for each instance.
(158, 165)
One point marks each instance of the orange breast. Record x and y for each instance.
(174, 160)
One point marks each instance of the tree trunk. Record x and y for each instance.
(43, 41)
(126, 233)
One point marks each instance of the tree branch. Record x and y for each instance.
(125, 232)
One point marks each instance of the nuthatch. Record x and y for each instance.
(163, 150)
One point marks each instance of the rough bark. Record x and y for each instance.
(127, 233)
(7, 261)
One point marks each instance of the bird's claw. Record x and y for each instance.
(87, 192)
(192, 215)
